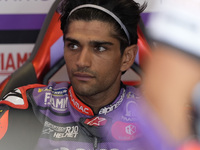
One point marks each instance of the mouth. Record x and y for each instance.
(83, 76)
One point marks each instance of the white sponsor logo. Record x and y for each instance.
(131, 129)
(77, 105)
(130, 111)
(110, 108)
(130, 108)
(56, 103)
(47, 131)
(12, 57)
(97, 121)
(60, 132)
(70, 131)
(12, 97)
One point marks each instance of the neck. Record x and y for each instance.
(101, 99)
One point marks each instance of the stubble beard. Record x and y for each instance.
(86, 91)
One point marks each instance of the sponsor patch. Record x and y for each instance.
(17, 98)
(122, 131)
(14, 99)
(60, 132)
(111, 107)
(78, 105)
(57, 103)
(130, 114)
(96, 121)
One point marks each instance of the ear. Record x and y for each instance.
(128, 57)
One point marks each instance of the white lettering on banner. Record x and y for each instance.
(13, 56)
(56, 103)
(12, 61)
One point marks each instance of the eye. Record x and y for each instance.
(72, 46)
(100, 48)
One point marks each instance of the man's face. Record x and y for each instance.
(93, 57)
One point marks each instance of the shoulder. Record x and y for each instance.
(53, 89)
(132, 100)
(133, 93)
(53, 96)
(17, 98)
(44, 95)
(53, 86)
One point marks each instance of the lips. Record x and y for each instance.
(83, 76)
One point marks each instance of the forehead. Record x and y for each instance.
(91, 29)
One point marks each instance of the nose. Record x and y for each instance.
(84, 58)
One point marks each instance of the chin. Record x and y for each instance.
(82, 91)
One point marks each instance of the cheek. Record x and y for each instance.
(69, 57)
(66, 55)
(109, 67)
(68, 61)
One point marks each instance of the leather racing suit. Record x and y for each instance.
(69, 124)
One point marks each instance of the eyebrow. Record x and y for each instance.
(72, 40)
(95, 42)
(101, 43)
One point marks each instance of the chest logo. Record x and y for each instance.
(96, 121)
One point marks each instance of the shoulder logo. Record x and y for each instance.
(40, 90)
(14, 99)
(16, 93)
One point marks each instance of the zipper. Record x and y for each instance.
(95, 143)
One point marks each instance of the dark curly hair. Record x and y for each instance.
(127, 11)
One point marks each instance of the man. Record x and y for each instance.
(92, 112)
